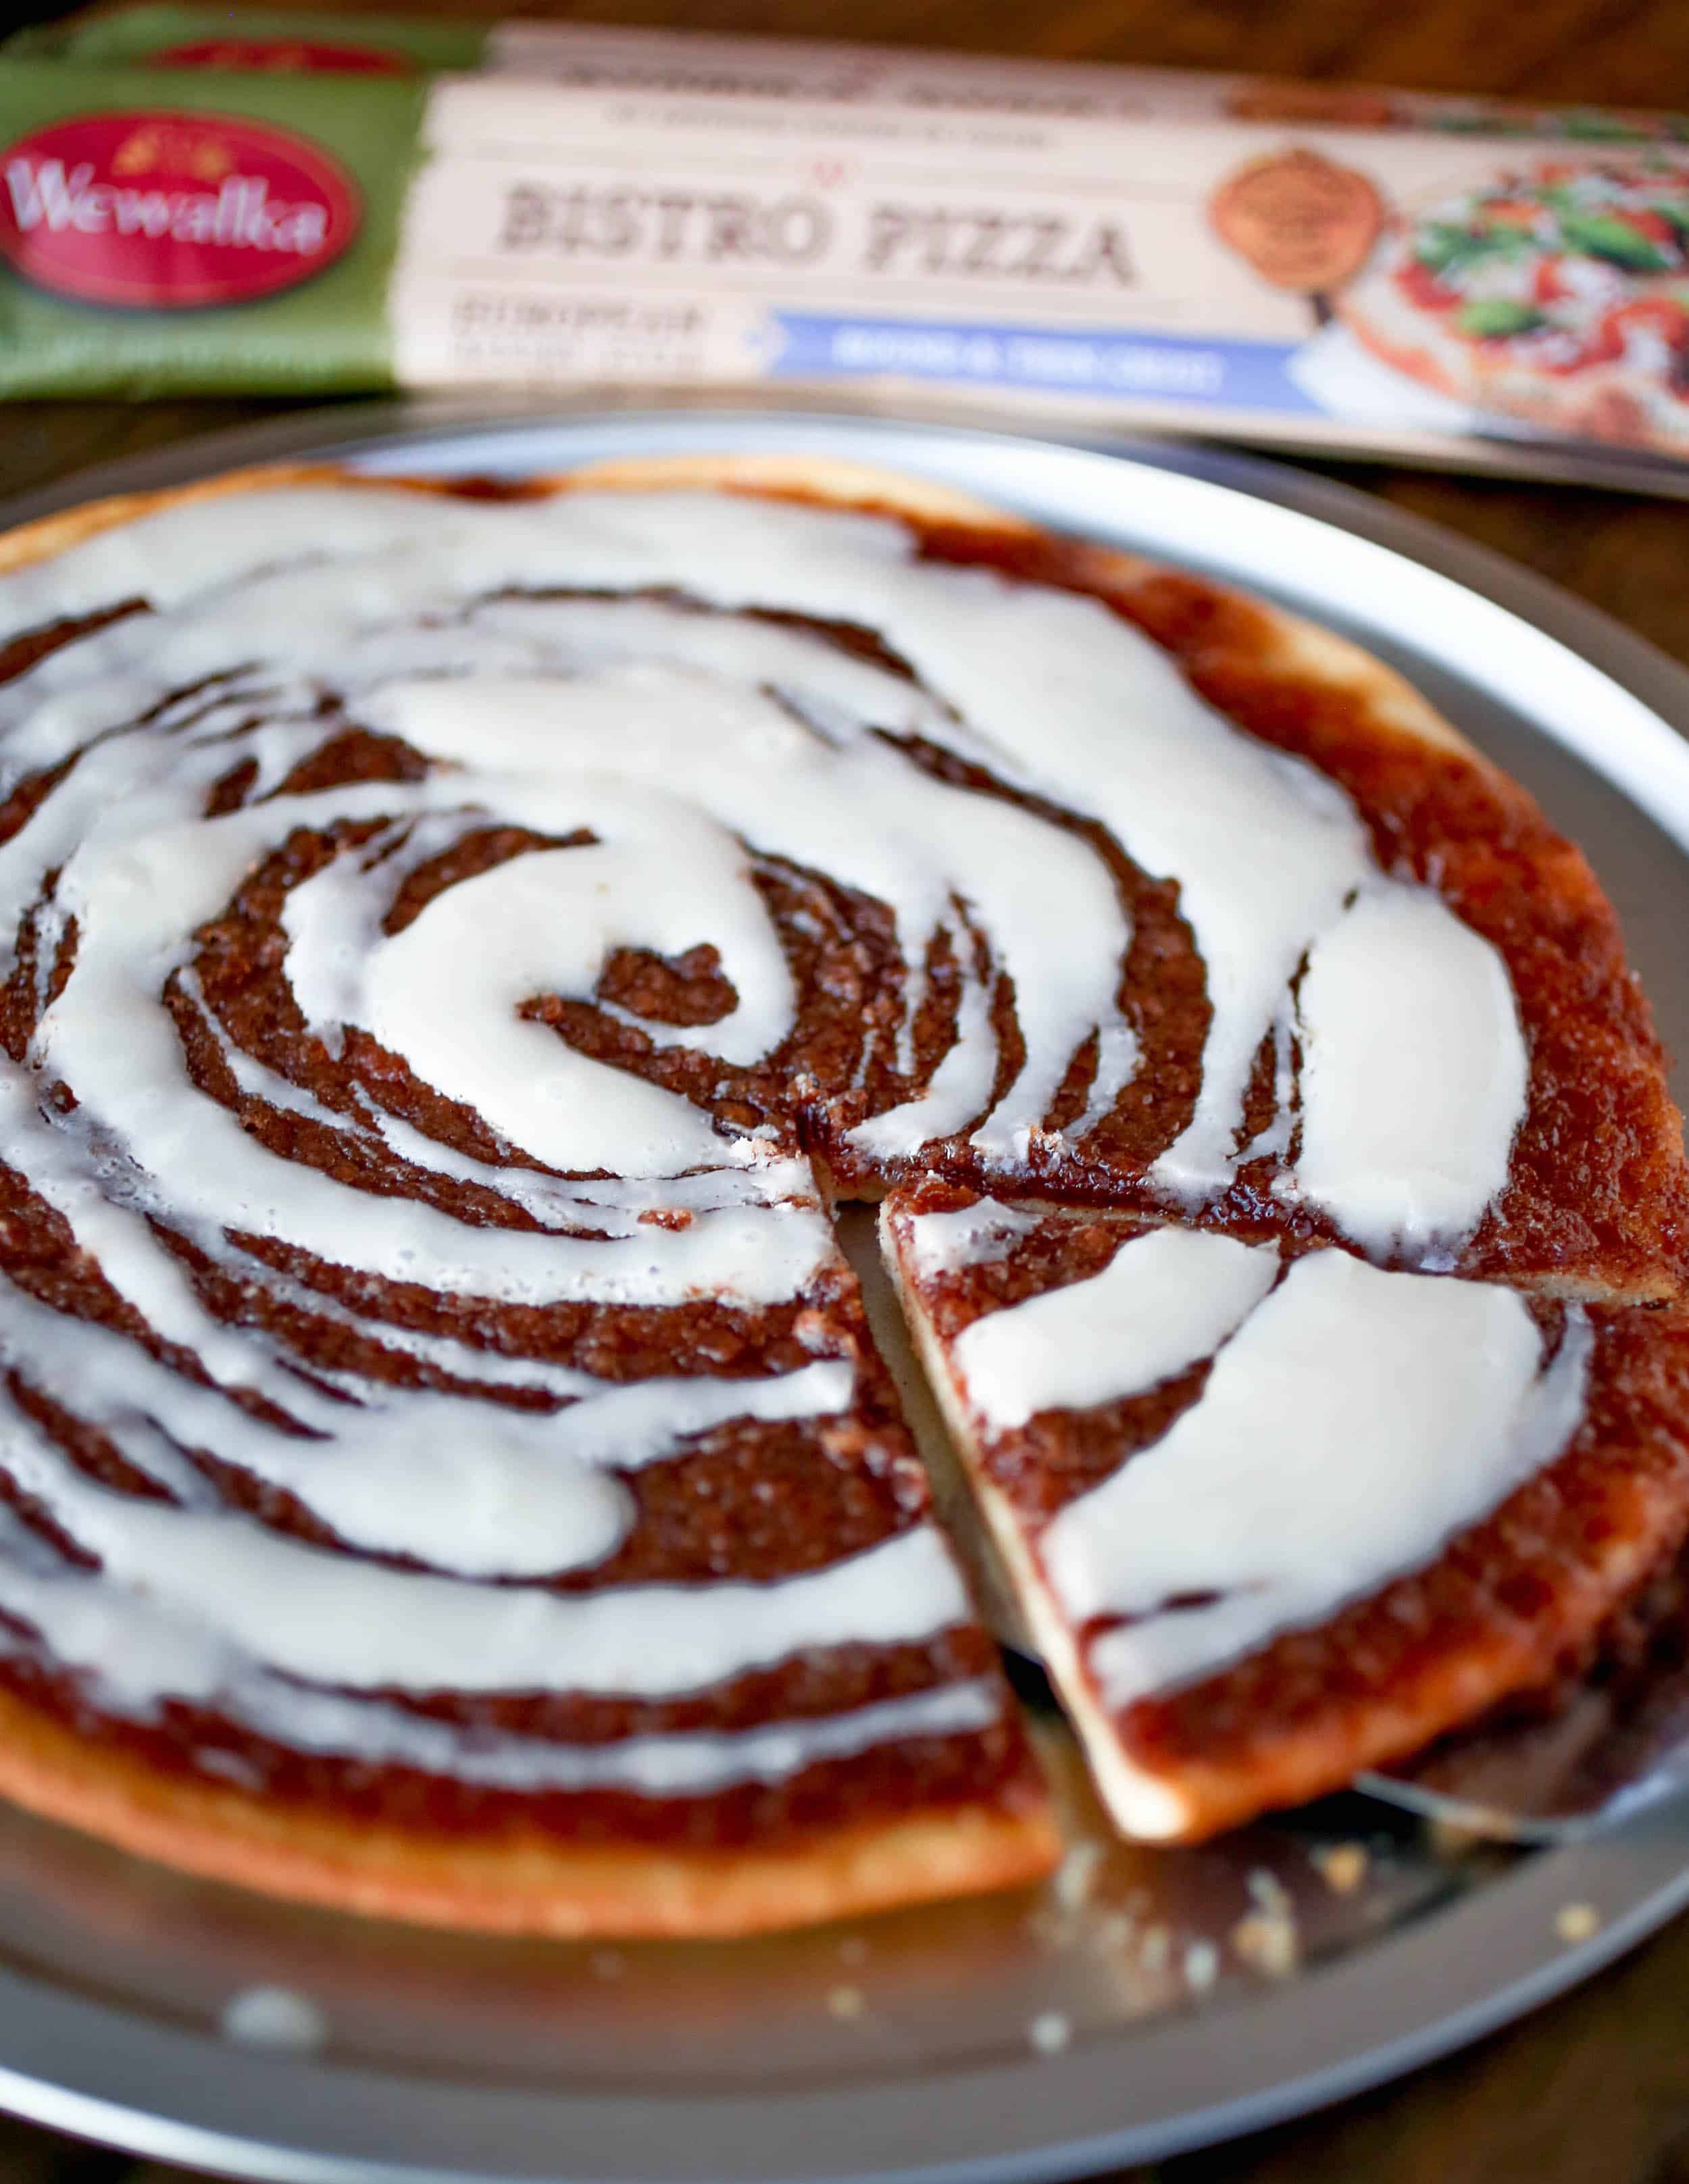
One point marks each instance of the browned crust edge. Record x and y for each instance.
(1456, 1689)
(521, 1882)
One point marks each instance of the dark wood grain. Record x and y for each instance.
(1594, 2090)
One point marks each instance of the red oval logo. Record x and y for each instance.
(171, 211)
(285, 54)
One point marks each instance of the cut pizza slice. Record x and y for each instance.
(1276, 1515)
(580, 1618)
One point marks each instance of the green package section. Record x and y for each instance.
(130, 35)
(327, 336)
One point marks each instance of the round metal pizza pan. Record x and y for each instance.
(1117, 2018)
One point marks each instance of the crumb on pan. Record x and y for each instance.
(1341, 1866)
(1048, 2032)
(1451, 1838)
(1076, 1875)
(1577, 1922)
(274, 2017)
(1266, 1938)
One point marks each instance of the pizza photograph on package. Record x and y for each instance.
(1557, 293)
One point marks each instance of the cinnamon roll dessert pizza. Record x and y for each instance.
(464, 940)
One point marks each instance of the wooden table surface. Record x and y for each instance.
(1595, 2089)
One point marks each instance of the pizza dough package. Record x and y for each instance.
(197, 201)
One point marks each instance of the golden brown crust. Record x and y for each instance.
(804, 477)
(844, 484)
(57, 534)
(519, 1883)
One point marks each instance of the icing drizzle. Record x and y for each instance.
(1351, 1421)
(601, 672)
(768, 735)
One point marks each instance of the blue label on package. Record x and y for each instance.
(1229, 374)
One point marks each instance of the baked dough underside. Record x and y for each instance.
(851, 1743)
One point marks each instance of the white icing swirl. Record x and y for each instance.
(1353, 1421)
(767, 735)
(673, 747)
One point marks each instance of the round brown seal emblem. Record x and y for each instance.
(1301, 220)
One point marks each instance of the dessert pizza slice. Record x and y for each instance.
(1274, 1514)
(558, 1614)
